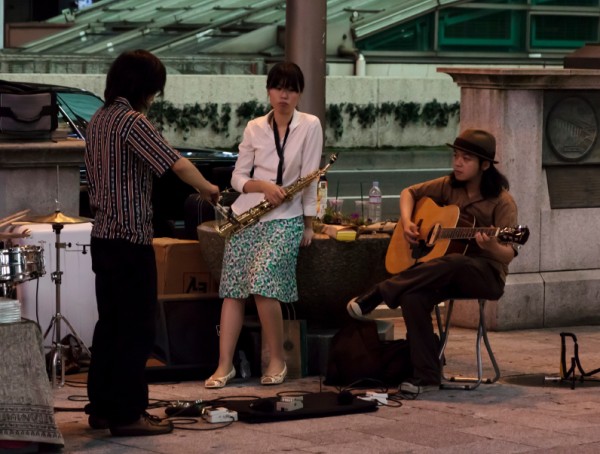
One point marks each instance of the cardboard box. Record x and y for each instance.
(181, 268)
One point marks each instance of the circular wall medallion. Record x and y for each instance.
(572, 128)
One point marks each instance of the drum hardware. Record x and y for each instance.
(21, 263)
(8, 290)
(57, 353)
(84, 246)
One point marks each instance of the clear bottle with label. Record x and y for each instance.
(375, 203)
(321, 197)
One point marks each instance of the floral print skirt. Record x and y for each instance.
(261, 259)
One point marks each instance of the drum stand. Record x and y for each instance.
(57, 354)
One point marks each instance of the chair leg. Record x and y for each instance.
(467, 383)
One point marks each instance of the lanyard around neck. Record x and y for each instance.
(280, 148)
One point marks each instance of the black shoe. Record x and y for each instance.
(146, 425)
(364, 304)
(97, 422)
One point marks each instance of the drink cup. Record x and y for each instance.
(335, 205)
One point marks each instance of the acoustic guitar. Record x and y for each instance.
(442, 230)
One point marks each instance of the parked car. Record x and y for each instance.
(76, 108)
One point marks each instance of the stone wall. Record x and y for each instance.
(413, 86)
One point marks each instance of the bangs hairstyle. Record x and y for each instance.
(492, 181)
(136, 76)
(286, 75)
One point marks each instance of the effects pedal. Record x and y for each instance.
(381, 398)
(289, 403)
(220, 414)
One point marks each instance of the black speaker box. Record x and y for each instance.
(187, 337)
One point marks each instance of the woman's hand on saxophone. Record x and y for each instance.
(274, 194)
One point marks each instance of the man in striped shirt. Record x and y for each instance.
(123, 151)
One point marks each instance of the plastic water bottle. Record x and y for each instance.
(375, 202)
(321, 197)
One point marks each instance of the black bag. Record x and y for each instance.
(356, 354)
(28, 114)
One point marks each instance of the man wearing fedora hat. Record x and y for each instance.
(479, 190)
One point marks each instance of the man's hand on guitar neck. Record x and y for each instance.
(503, 252)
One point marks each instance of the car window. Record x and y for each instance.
(79, 108)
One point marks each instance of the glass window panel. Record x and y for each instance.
(465, 29)
(565, 2)
(562, 31)
(415, 35)
(500, 2)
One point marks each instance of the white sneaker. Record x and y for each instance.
(354, 310)
(413, 388)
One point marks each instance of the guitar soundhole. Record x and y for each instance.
(420, 250)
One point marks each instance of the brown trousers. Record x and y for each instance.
(418, 289)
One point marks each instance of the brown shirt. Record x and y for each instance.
(498, 211)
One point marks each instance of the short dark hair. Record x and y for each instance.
(286, 75)
(135, 75)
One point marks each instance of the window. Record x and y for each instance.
(466, 29)
(415, 35)
(562, 31)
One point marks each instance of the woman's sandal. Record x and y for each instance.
(219, 382)
(275, 379)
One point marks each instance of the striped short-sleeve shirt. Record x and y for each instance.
(123, 151)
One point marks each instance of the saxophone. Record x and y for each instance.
(250, 217)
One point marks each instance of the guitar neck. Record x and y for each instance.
(464, 233)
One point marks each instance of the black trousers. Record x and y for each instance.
(124, 334)
(418, 289)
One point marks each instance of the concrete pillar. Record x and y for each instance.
(306, 25)
(555, 280)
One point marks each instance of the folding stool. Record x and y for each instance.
(468, 383)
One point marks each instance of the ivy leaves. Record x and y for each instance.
(191, 116)
(432, 113)
(218, 118)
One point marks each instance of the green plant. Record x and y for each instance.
(248, 110)
(338, 218)
(191, 116)
(196, 116)
(437, 114)
(335, 120)
(366, 115)
(406, 112)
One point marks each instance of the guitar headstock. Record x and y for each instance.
(517, 234)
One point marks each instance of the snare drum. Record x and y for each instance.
(20, 264)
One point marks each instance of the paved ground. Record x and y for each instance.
(521, 413)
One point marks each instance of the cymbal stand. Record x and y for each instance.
(57, 351)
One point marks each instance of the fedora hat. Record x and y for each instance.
(478, 142)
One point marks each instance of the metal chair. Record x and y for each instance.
(459, 382)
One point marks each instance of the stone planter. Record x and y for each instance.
(329, 272)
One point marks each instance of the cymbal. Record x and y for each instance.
(55, 218)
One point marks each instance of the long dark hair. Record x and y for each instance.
(492, 182)
(135, 75)
(286, 75)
